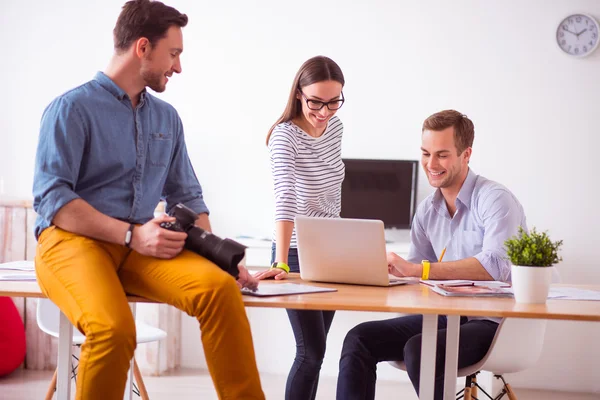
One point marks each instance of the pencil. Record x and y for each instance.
(442, 255)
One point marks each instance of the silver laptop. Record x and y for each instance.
(342, 250)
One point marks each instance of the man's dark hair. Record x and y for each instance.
(464, 131)
(145, 18)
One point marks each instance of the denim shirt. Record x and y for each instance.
(486, 215)
(93, 145)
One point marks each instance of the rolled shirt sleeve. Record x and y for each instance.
(60, 150)
(501, 215)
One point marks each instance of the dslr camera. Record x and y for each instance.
(226, 253)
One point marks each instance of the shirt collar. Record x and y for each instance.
(437, 199)
(113, 88)
(464, 195)
(466, 191)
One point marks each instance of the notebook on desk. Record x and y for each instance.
(343, 250)
(471, 290)
(465, 282)
(281, 289)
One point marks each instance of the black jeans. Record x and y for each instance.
(310, 331)
(399, 339)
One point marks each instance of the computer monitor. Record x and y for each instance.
(380, 189)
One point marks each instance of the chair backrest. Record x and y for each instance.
(517, 346)
(48, 317)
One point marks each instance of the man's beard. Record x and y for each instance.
(154, 80)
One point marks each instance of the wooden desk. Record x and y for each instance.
(419, 299)
(411, 299)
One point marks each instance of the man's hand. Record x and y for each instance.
(245, 280)
(398, 266)
(151, 239)
(276, 273)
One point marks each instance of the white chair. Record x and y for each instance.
(517, 345)
(48, 317)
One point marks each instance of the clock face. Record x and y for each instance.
(577, 35)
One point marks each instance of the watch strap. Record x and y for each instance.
(426, 267)
(281, 265)
(129, 235)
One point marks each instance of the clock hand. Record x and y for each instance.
(581, 32)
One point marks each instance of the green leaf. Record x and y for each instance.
(532, 249)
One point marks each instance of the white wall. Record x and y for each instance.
(534, 108)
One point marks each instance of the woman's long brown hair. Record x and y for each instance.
(316, 69)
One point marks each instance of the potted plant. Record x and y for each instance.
(532, 256)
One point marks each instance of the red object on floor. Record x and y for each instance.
(12, 337)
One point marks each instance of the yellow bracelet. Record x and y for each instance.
(426, 266)
(281, 265)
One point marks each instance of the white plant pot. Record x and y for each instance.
(531, 284)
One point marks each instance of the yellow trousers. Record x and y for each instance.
(88, 280)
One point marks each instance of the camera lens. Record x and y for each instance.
(227, 253)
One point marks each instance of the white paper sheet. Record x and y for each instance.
(23, 276)
(569, 293)
(18, 266)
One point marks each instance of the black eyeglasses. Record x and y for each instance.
(317, 104)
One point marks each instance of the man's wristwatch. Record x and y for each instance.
(281, 265)
(426, 267)
(129, 235)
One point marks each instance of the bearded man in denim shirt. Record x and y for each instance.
(108, 152)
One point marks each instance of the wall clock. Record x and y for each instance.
(577, 35)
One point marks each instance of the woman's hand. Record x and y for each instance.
(276, 273)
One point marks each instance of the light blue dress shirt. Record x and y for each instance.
(487, 214)
(95, 146)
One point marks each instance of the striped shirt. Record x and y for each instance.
(307, 172)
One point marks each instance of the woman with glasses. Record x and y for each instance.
(307, 168)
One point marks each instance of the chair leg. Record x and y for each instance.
(506, 389)
(140, 382)
(510, 393)
(468, 384)
(474, 386)
(52, 388)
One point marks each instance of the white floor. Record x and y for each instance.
(196, 384)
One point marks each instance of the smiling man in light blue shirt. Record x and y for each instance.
(472, 231)
(467, 218)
